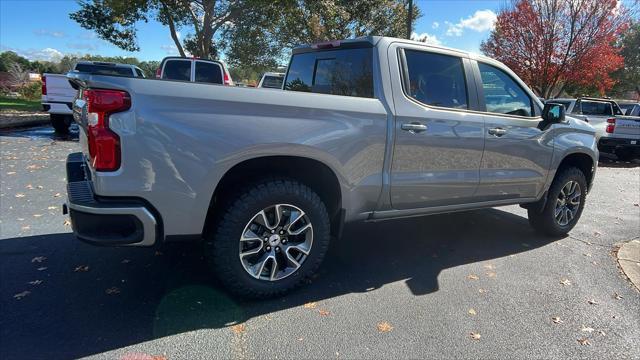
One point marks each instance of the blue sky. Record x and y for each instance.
(42, 29)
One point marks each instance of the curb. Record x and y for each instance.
(15, 119)
(629, 260)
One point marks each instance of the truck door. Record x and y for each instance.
(438, 137)
(517, 154)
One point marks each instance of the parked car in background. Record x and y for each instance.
(630, 108)
(266, 178)
(271, 80)
(57, 93)
(616, 132)
(194, 70)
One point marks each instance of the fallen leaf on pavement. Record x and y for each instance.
(112, 291)
(52, 207)
(323, 312)
(26, 227)
(491, 274)
(636, 204)
(475, 336)
(57, 195)
(19, 296)
(20, 195)
(300, 339)
(557, 320)
(13, 173)
(473, 277)
(35, 282)
(588, 329)
(384, 327)
(592, 302)
(67, 223)
(482, 291)
(472, 312)
(617, 296)
(565, 282)
(237, 329)
(81, 268)
(310, 305)
(597, 233)
(584, 341)
(37, 215)
(602, 333)
(489, 267)
(38, 259)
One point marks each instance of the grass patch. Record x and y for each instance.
(19, 104)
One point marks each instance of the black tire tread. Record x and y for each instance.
(544, 222)
(223, 240)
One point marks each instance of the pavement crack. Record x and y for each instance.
(591, 243)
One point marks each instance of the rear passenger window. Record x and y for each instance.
(208, 72)
(338, 72)
(436, 79)
(177, 70)
(502, 94)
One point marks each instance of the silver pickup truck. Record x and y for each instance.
(367, 129)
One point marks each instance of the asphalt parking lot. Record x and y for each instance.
(477, 284)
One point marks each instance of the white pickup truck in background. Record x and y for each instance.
(57, 93)
(616, 132)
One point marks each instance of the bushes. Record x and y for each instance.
(31, 90)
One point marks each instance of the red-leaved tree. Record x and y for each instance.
(554, 43)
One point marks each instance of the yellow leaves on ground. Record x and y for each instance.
(472, 312)
(238, 329)
(310, 305)
(475, 336)
(384, 327)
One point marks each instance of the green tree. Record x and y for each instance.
(8, 58)
(251, 33)
(628, 77)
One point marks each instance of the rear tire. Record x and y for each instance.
(561, 212)
(60, 123)
(231, 259)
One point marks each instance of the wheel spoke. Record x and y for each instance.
(252, 251)
(558, 213)
(299, 231)
(249, 235)
(294, 243)
(569, 215)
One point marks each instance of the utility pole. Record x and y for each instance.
(410, 19)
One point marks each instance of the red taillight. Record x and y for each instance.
(158, 73)
(227, 81)
(104, 144)
(44, 85)
(611, 125)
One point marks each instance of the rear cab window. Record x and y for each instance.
(208, 72)
(272, 82)
(99, 69)
(346, 72)
(177, 69)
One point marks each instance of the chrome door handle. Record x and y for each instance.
(414, 127)
(497, 131)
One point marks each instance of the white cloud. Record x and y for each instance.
(435, 25)
(43, 32)
(426, 38)
(482, 20)
(82, 46)
(172, 50)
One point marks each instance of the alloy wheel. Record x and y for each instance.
(568, 203)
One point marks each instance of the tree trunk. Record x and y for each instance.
(174, 36)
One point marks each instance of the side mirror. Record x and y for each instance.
(553, 112)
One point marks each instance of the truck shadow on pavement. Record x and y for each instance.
(91, 299)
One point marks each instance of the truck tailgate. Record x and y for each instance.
(627, 126)
(59, 89)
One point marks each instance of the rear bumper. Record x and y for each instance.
(106, 221)
(57, 108)
(611, 144)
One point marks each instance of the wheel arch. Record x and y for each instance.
(312, 172)
(583, 161)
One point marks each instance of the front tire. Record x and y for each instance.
(270, 239)
(60, 123)
(564, 205)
